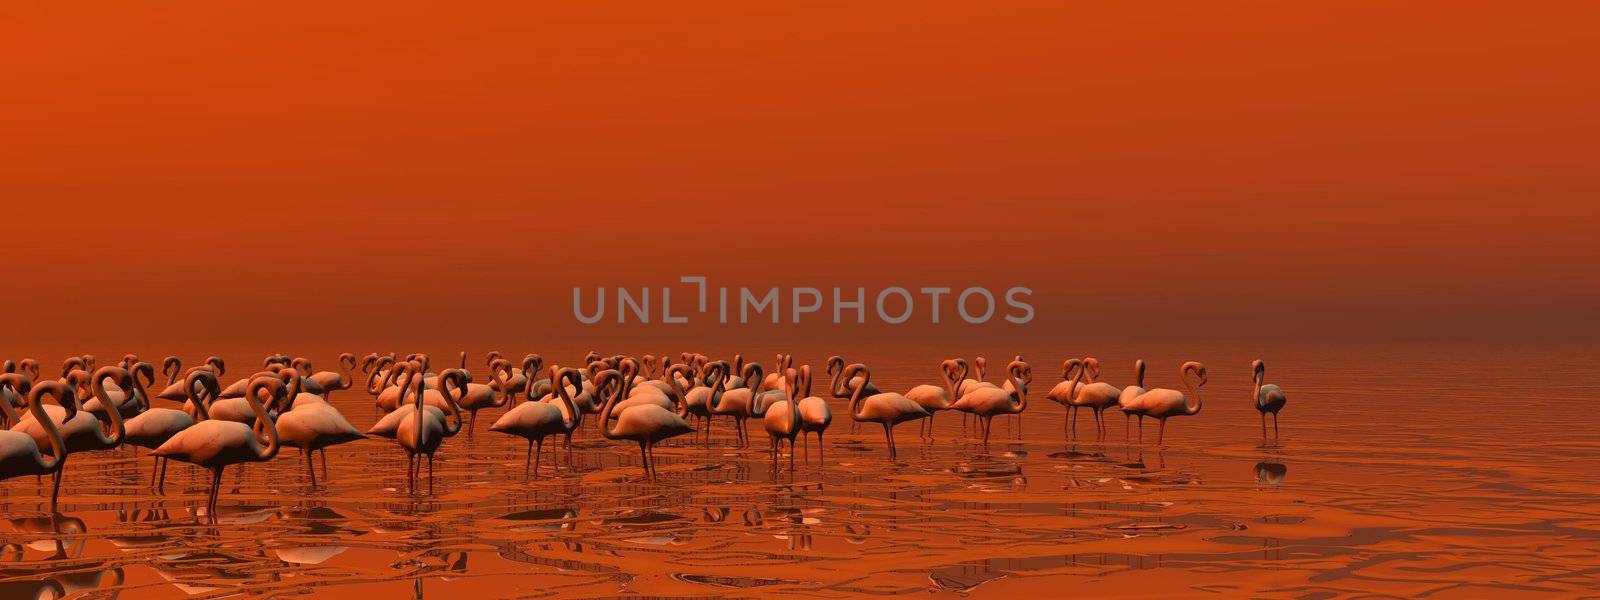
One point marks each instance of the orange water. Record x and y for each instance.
(1449, 471)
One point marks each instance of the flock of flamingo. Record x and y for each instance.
(644, 401)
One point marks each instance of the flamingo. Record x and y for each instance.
(1067, 394)
(19, 452)
(742, 402)
(155, 426)
(840, 388)
(478, 396)
(426, 430)
(332, 381)
(888, 409)
(79, 430)
(980, 368)
(1129, 393)
(312, 425)
(986, 401)
(1269, 397)
(173, 369)
(936, 397)
(778, 378)
(815, 416)
(699, 400)
(535, 420)
(644, 423)
(1163, 403)
(781, 419)
(214, 444)
(1096, 395)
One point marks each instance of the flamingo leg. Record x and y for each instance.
(1263, 425)
(527, 461)
(324, 453)
(55, 490)
(644, 460)
(311, 469)
(988, 425)
(791, 454)
(1274, 425)
(163, 483)
(819, 448)
(538, 456)
(430, 473)
(1162, 433)
(216, 487)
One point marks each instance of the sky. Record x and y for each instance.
(369, 174)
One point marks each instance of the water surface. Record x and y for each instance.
(1437, 471)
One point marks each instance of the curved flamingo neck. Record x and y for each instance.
(113, 412)
(1194, 390)
(264, 424)
(63, 395)
(569, 420)
(857, 402)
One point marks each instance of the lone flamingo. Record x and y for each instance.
(1269, 397)
(214, 444)
(1163, 403)
(887, 409)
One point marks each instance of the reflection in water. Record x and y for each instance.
(1025, 518)
(1270, 472)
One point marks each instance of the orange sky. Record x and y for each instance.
(184, 171)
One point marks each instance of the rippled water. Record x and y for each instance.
(1412, 471)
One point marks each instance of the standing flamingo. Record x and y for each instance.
(1127, 395)
(840, 388)
(1067, 394)
(214, 444)
(173, 369)
(1096, 395)
(699, 401)
(155, 426)
(986, 401)
(536, 420)
(1163, 403)
(19, 452)
(644, 423)
(739, 402)
(781, 419)
(332, 381)
(425, 431)
(1269, 397)
(887, 409)
(312, 425)
(935, 398)
(815, 415)
(79, 430)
